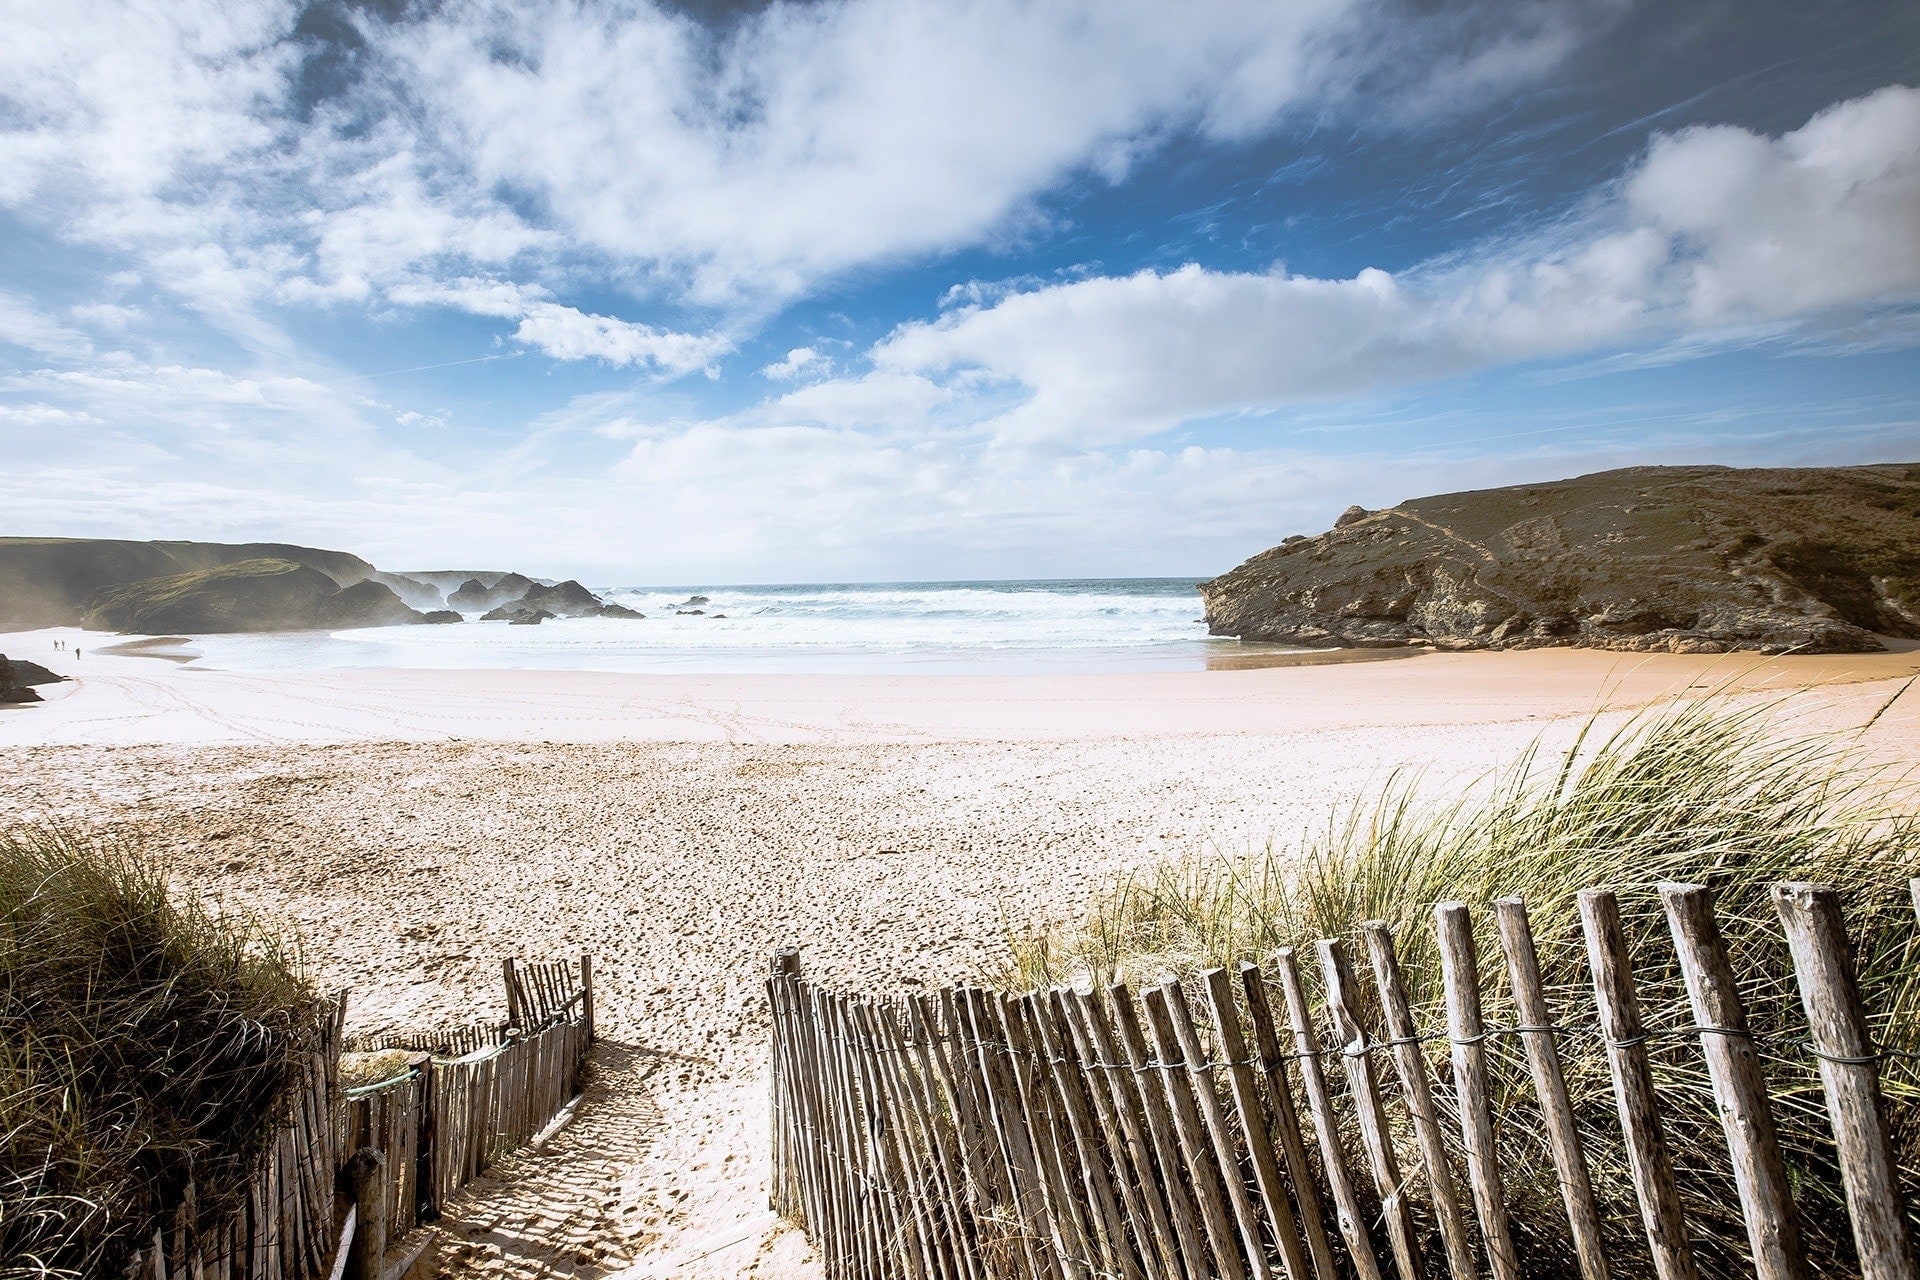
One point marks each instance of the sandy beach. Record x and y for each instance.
(412, 827)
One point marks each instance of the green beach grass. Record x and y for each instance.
(1709, 791)
(145, 1045)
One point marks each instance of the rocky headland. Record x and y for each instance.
(249, 595)
(160, 586)
(1651, 559)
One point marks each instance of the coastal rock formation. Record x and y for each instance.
(564, 599)
(17, 678)
(367, 604)
(1671, 559)
(475, 595)
(250, 595)
(561, 600)
(50, 581)
(443, 615)
(417, 594)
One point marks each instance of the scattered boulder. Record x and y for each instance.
(1647, 559)
(690, 613)
(564, 600)
(619, 611)
(693, 600)
(517, 612)
(443, 615)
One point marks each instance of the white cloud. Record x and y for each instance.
(1715, 227)
(23, 325)
(566, 333)
(793, 364)
(554, 141)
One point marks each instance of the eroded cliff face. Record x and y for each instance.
(1675, 559)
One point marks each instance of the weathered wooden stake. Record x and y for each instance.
(1416, 1083)
(1739, 1088)
(1356, 1046)
(1661, 1212)
(367, 1178)
(586, 995)
(1467, 1029)
(1550, 1085)
(513, 992)
(1850, 1072)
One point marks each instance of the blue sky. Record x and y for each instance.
(883, 289)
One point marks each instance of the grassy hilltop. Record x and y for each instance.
(1683, 559)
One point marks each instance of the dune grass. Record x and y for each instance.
(1709, 791)
(144, 1048)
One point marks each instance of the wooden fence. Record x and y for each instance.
(441, 1123)
(438, 1126)
(287, 1227)
(966, 1135)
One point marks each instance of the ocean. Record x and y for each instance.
(1120, 624)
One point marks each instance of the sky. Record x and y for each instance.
(880, 290)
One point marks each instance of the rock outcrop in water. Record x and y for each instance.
(250, 595)
(561, 600)
(1676, 559)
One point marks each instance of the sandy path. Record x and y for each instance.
(887, 837)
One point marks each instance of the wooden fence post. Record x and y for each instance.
(1333, 1156)
(586, 995)
(367, 1176)
(1661, 1212)
(1416, 1083)
(1850, 1072)
(513, 992)
(1467, 1029)
(1182, 1208)
(1197, 1155)
(427, 1202)
(1200, 1077)
(1337, 974)
(1286, 1119)
(1253, 1123)
(1739, 1088)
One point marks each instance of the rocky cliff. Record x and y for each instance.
(51, 581)
(250, 595)
(1679, 559)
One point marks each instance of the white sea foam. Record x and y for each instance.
(1122, 624)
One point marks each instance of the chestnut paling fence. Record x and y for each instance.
(466, 1096)
(1248, 1131)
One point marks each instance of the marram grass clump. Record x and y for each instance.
(145, 1048)
(1708, 792)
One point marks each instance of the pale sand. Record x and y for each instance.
(682, 828)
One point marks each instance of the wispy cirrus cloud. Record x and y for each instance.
(1713, 228)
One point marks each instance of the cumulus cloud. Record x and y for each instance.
(1713, 227)
(793, 364)
(566, 333)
